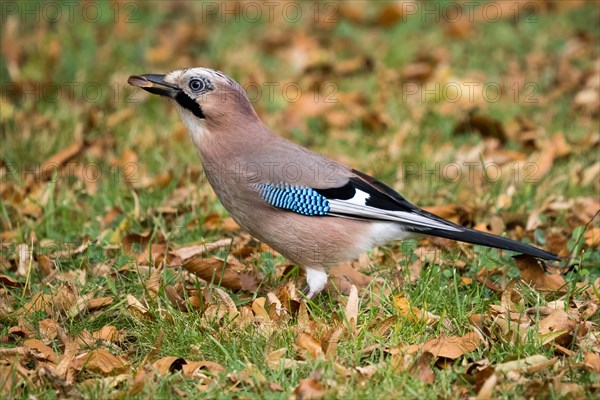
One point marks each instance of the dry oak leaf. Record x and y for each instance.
(196, 369)
(108, 333)
(421, 369)
(229, 274)
(343, 276)
(533, 273)
(169, 365)
(100, 361)
(351, 311)
(559, 325)
(42, 348)
(414, 314)
(309, 389)
(591, 362)
(310, 344)
(452, 346)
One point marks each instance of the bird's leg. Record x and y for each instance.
(316, 279)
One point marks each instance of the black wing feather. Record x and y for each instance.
(384, 197)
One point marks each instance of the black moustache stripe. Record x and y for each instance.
(188, 103)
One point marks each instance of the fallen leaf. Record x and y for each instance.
(390, 14)
(194, 369)
(452, 346)
(312, 346)
(42, 348)
(487, 389)
(351, 311)
(413, 313)
(169, 365)
(187, 252)
(534, 363)
(223, 273)
(421, 369)
(592, 362)
(153, 283)
(309, 389)
(136, 307)
(486, 126)
(343, 276)
(108, 333)
(533, 273)
(560, 324)
(100, 361)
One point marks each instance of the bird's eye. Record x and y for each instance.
(196, 85)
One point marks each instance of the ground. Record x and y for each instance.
(121, 275)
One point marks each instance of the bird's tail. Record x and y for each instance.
(485, 239)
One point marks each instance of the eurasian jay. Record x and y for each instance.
(313, 210)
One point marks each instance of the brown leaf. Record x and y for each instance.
(45, 263)
(414, 313)
(258, 306)
(98, 302)
(421, 369)
(227, 274)
(343, 276)
(64, 369)
(42, 348)
(592, 236)
(249, 281)
(312, 346)
(7, 281)
(108, 333)
(176, 300)
(309, 389)
(484, 125)
(487, 388)
(193, 369)
(390, 14)
(457, 213)
(169, 365)
(592, 362)
(10, 381)
(331, 348)
(136, 307)
(556, 322)
(25, 352)
(533, 273)
(452, 346)
(48, 328)
(351, 311)
(100, 361)
(187, 252)
(153, 283)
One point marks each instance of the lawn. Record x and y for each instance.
(122, 276)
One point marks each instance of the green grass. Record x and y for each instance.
(104, 54)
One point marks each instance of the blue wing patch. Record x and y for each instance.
(299, 199)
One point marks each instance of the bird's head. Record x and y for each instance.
(204, 98)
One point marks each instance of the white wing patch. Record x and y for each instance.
(360, 198)
(356, 206)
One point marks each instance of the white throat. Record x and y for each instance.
(196, 127)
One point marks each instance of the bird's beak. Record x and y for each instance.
(155, 84)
